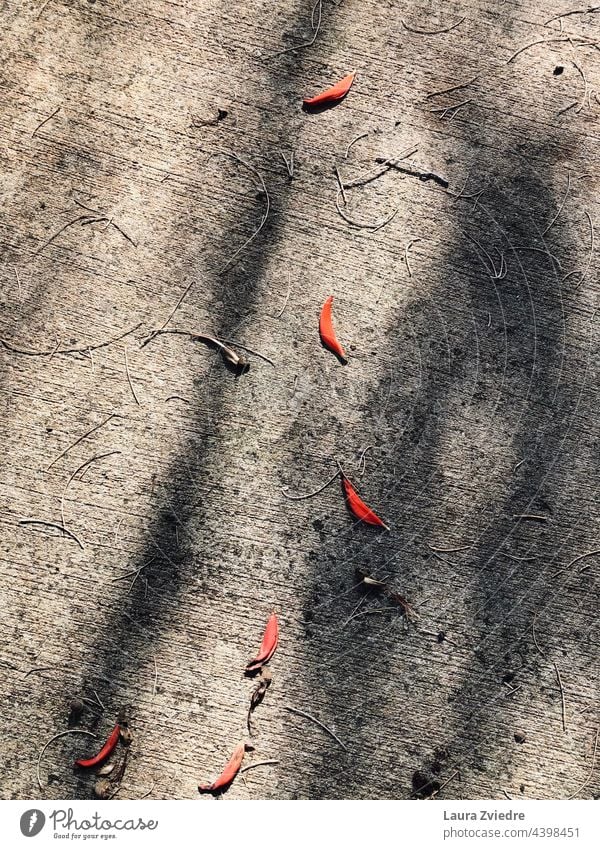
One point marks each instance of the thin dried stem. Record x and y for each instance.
(432, 32)
(371, 611)
(558, 39)
(311, 494)
(236, 253)
(353, 142)
(424, 176)
(406, 250)
(316, 722)
(591, 251)
(289, 163)
(287, 297)
(441, 787)
(361, 459)
(250, 351)
(576, 560)
(561, 207)
(562, 697)
(74, 475)
(78, 350)
(535, 517)
(534, 635)
(341, 185)
(317, 10)
(135, 397)
(51, 740)
(80, 218)
(452, 88)
(364, 225)
(155, 683)
(45, 121)
(56, 525)
(19, 291)
(585, 11)
(81, 438)
(258, 763)
(586, 97)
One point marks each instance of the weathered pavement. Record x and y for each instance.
(472, 381)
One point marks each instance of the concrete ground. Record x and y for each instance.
(147, 181)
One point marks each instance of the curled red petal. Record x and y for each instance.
(104, 752)
(333, 94)
(267, 647)
(229, 772)
(326, 331)
(358, 507)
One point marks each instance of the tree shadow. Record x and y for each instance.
(133, 623)
(501, 338)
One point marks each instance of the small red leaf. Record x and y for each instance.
(104, 752)
(229, 773)
(333, 94)
(327, 333)
(358, 507)
(267, 647)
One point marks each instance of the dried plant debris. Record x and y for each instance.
(367, 581)
(209, 120)
(424, 176)
(235, 362)
(51, 740)
(258, 694)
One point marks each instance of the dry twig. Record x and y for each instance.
(78, 350)
(562, 696)
(56, 525)
(51, 740)
(452, 88)
(85, 436)
(353, 142)
(406, 250)
(258, 763)
(317, 11)
(287, 297)
(558, 39)
(424, 176)
(316, 722)
(432, 32)
(560, 208)
(535, 517)
(441, 787)
(311, 494)
(135, 398)
(585, 11)
(45, 121)
(289, 163)
(81, 468)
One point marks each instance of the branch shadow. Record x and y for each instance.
(128, 630)
(368, 677)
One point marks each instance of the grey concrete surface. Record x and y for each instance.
(472, 381)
